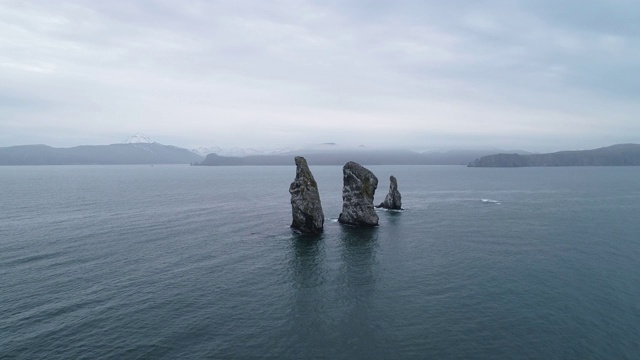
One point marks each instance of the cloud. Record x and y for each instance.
(248, 73)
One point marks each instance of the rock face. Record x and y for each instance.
(393, 200)
(357, 196)
(305, 200)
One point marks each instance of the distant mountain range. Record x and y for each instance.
(330, 155)
(238, 152)
(244, 152)
(139, 149)
(135, 150)
(616, 155)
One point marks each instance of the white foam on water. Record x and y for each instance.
(489, 201)
(390, 210)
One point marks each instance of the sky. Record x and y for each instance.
(540, 75)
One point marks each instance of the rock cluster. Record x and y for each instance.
(393, 200)
(305, 200)
(357, 196)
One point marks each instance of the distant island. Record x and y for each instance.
(615, 155)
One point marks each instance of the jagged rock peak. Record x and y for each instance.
(357, 196)
(393, 200)
(306, 208)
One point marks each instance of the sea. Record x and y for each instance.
(182, 262)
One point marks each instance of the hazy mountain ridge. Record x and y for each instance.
(115, 154)
(139, 149)
(238, 152)
(615, 155)
(361, 155)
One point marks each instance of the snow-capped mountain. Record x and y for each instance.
(137, 139)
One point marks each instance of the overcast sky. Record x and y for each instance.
(535, 75)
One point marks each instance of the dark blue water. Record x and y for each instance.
(129, 262)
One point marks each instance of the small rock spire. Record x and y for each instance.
(393, 200)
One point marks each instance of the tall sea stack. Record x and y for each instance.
(305, 200)
(357, 196)
(393, 200)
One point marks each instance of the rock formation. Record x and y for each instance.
(357, 196)
(393, 200)
(305, 200)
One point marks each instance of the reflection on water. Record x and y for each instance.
(393, 217)
(307, 261)
(392, 226)
(308, 324)
(359, 246)
(360, 326)
(333, 295)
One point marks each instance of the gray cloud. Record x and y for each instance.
(541, 75)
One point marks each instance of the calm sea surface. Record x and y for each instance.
(179, 262)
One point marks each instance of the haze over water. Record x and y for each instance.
(199, 262)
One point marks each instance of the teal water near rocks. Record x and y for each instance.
(129, 262)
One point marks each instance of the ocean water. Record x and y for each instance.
(179, 262)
